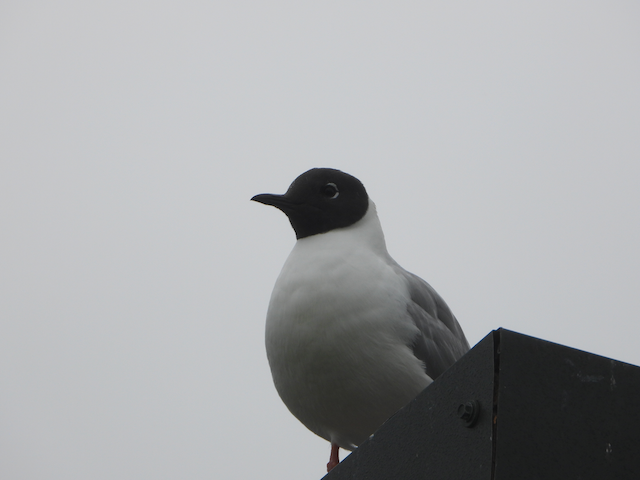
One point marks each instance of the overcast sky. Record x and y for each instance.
(499, 140)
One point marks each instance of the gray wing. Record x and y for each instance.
(441, 341)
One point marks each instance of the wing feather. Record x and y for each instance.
(440, 341)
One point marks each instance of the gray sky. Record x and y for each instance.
(500, 142)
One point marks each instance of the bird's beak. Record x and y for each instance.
(266, 198)
(278, 201)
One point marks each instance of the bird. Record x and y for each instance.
(351, 336)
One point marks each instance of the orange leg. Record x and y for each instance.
(333, 458)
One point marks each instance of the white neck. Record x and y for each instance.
(366, 233)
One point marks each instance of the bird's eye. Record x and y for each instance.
(330, 190)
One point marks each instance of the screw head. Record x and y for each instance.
(468, 412)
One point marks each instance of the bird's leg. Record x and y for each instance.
(333, 458)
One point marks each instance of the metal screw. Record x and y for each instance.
(468, 412)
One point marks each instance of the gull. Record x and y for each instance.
(351, 336)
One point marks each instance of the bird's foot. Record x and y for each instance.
(333, 458)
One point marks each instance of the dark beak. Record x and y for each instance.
(278, 201)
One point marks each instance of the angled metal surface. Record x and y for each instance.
(514, 407)
(565, 413)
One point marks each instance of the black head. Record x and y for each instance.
(320, 200)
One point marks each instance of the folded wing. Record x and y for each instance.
(440, 342)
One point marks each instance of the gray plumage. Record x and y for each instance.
(441, 340)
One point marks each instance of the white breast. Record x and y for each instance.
(338, 334)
